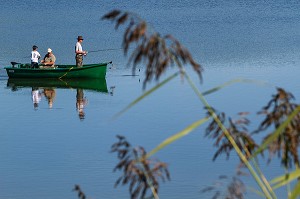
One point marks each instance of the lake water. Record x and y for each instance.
(45, 150)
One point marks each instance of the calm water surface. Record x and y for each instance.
(45, 150)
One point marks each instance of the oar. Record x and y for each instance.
(66, 73)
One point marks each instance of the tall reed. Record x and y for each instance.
(159, 53)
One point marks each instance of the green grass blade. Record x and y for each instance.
(277, 132)
(177, 136)
(217, 88)
(296, 191)
(259, 193)
(146, 94)
(285, 179)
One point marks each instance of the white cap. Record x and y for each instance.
(49, 50)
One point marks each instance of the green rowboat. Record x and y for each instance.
(18, 70)
(98, 85)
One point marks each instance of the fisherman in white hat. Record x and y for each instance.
(49, 60)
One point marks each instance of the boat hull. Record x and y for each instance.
(61, 71)
(98, 85)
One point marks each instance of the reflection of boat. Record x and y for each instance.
(18, 70)
(86, 84)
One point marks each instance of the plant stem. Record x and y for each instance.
(256, 166)
(149, 181)
(229, 137)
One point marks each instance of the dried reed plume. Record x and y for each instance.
(237, 129)
(141, 174)
(157, 52)
(276, 112)
(81, 195)
(226, 188)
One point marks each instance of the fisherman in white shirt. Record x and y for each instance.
(35, 56)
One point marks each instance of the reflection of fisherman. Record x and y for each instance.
(50, 96)
(81, 102)
(36, 97)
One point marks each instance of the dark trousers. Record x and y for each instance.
(34, 65)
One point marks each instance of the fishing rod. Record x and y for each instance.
(108, 49)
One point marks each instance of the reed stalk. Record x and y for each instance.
(155, 195)
(257, 168)
(153, 50)
(231, 140)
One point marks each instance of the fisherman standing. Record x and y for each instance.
(79, 52)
